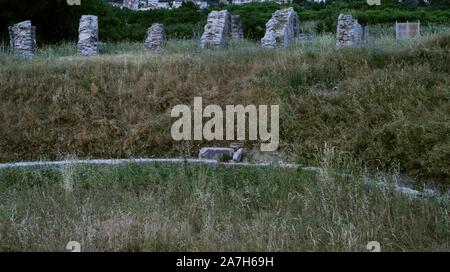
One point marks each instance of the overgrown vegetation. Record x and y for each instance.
(381, 108)
(186, 208)
(386, 109)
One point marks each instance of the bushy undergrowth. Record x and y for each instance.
(61, 20)
(385, 106)
(186, 208)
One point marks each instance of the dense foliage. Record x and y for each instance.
(56, 21)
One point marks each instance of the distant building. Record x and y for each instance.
(240, 2)
(144, 4)
(202, 4)
(177, 4)
(156, 4)
(131, 4)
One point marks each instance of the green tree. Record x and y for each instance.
(55, 20)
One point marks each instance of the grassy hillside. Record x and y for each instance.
(168, 208)
(366, 118)
(385, 106)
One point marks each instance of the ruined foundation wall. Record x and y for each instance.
(237, 31)
(217, 30)
(88, 36)
(22, 39)
(282, 29)
(349, 32)
(156, 37)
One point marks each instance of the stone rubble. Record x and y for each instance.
(217, 30)
(349, 32)
(215, 153)
(282, 29)
(156, 37)
(237, 156)
(237, 31)
(22, 39)
(88, 44)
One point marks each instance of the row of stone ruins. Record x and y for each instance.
(281, 31)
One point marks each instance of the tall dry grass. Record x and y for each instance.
(385, 107)
(184, 208)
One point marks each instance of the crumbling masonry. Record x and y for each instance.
(237, 31)
(156, 37)
(22, 39)
(220, 28)
(282, 29)
(88, 36)
(217, 30)
(349, 32)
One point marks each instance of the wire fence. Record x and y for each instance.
(407, 30)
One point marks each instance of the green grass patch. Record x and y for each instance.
(197, 208)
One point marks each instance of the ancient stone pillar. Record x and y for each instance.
(237, 31)
(11, 37)
(88, 36)
(282, 29)
(22, 39)
(156, 37)
(217, 30)
(349, 32)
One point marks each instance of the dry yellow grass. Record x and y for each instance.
(385, 108)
